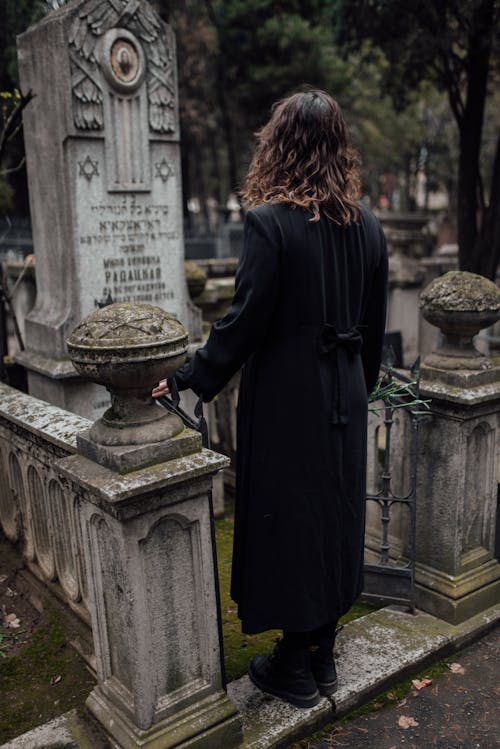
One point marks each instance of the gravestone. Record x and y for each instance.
(103, 160)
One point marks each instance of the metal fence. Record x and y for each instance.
(392, 578)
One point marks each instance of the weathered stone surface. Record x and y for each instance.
(372, 653)
(129, 348)
(125, 458)
(407, 243)
(41, 419)
(149, 554)
(460, 291)
(105, 147)
(68, 731)
(35, 511)
(406, 233)
(460, 304)
(118, 493)
(196, 278)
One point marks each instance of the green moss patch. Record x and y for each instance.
(44, 679)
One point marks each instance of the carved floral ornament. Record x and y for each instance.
(123, 60)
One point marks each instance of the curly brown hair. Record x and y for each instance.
(304, 157)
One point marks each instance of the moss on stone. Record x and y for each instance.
(196, 278)
(45, 679)
(461, 291)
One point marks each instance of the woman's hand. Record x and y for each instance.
(160, 390)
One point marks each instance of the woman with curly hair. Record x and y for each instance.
(306, 325)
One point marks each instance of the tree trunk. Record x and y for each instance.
(221, 93)
(488, 245)
(470, 127)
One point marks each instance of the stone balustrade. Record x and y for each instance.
(36, 510)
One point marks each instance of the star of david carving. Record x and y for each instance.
(163, 170)
(88, 168)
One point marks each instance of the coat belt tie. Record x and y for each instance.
(346, 344)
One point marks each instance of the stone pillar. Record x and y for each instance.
(144, 486)
(457, 575)
(407, 243)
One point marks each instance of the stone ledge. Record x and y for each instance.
(114, 491)
(56, 369)
(372, 653)
(464, 396)
(68, 731)
(51, 423)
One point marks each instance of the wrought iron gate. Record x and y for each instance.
(392, 580)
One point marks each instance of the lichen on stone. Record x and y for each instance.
(461, 291)
(196, 278)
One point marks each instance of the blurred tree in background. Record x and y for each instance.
(389, 63)
(17, 15)
(454, 44)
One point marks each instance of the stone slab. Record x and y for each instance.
(57, 369)
(372, 653)
(49, 422)
(463, 394)
(210, 724)
(111, 490)
(68, 731)
(126, 458)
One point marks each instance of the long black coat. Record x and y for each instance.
(302, 411)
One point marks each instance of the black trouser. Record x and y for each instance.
(303, 640)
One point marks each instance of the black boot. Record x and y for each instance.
(286, 673)
(323, 663)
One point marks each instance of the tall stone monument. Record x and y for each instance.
(103, 160)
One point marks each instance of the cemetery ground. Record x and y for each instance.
(42, 676)
(450, 705)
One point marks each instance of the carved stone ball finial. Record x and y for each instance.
(129, 348)
(460, 304)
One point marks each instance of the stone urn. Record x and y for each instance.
(196, 278)
(460, 304)
(129, 348)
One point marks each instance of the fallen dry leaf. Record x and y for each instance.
(403, 702)
(406, 721)
(11, 620)
(456, 668)
(392, 696)
(3, 578)
(422, 683)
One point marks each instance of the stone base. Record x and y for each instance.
(126, 458)
(56, 381)
(459, 373)
(212, 723)
(456, 598)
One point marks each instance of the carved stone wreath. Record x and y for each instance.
(93, 19)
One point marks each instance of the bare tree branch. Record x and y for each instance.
(12, 169)
(13, 121)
